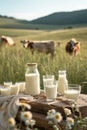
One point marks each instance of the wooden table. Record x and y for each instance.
(40, 106)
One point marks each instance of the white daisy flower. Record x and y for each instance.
(52, 111)
(11, 122)
(30, 122)
(24, 105)
(50, 114)
(67, 111)
(26, 115)
(70, 121)
(58, 117)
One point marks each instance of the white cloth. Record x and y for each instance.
(9, 108)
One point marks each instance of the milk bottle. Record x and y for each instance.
(62, 82)
(32, 79)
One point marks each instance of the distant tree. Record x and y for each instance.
(69, 27)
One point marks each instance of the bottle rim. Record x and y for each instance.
(62, 71)
(31, 64)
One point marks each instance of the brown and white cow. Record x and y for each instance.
(40, 46)
(72, 47)
(7, 40)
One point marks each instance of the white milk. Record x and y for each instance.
(72, 94)
(32, 83)
(51, 92)
(62, 85)
(7, 84)
(5, 91)
(21, 86)
(14, 89)
(1, 88)
(62, 82)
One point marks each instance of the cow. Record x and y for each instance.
(72, 47)
(40, 46)
(7, 40)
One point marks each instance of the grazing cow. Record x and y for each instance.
(40, 46)
(73, 47)
(7, 40)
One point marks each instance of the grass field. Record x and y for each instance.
(13, 59)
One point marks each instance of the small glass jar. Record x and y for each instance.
(32, 79)
(62, 82)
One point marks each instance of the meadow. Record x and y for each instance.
(13, 59)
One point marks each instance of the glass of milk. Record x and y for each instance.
(14, 89)
(21, 86)
(50, 90)
(72, 92)
(5, 91)
(7, 84)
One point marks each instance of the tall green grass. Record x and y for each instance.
(13, 59)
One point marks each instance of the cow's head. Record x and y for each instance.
(3, 39)
(25, 43)
(71, 46)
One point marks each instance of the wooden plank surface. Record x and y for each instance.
(39, 108)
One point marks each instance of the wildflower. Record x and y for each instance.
(30, 122)
(11, 122)
(58, 117)
(26, 115)
(73, 105)
(70, 122)
(67, 111)
(55, 127)
(24, 105)
(50, 114)
(52, 111)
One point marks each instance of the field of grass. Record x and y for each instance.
(13, 59)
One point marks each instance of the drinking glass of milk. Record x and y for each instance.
(72, 92)
(21, 86)
(51, 91)
(7, 84)
(50, 87)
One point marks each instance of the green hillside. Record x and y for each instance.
(64, 18)
(61, 20)
(6, 22)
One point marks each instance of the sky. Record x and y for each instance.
(32, 9)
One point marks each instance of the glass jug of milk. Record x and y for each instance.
(32, 79)
(62, 82)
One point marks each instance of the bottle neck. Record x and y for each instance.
(31, 68)
(62, 74)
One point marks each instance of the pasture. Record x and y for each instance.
(13, 59)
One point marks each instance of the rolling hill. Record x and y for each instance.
(56, 20)
(63, 18)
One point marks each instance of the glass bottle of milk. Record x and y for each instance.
(32, 79)
(62, 82)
